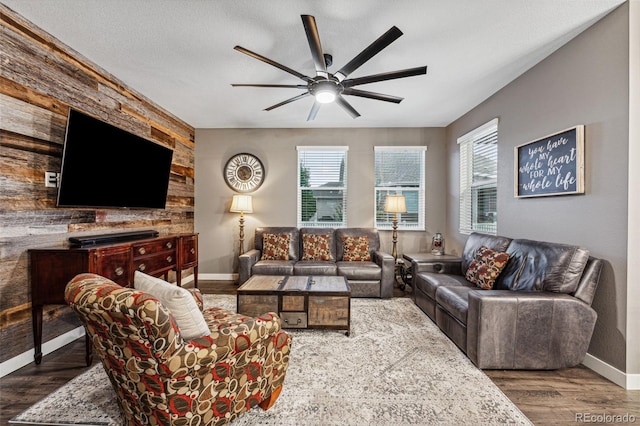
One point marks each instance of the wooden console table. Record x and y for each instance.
(51, 269)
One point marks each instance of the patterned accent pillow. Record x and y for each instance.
(356, 249)
(275, 246)
(178, 301)
(485, 267)
(316, 247)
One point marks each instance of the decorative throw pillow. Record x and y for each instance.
(275, 246)
(316, 247)
(178, 301)
(356, 249)
(485, 267)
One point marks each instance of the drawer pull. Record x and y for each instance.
(169, 245)
(119, 271)
(141, 250)
(142, 267)
(297, 322)
(169, 259)
(193, 250)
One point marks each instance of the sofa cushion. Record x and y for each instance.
(314, 267)
(356, 249)
(359, 271)
(542, 266)
(275, 246)
(485, 267)
(454, 300)
(178, 301)
(429, 282)
(273, 267)
(317, 247)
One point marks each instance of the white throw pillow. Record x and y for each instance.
(178, 301)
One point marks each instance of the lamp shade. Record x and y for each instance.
(241, 204)
(395, 204)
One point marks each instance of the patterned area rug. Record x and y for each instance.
(396, 368)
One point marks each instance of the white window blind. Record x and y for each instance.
(400, 170)
(478, 179)
(322, 186)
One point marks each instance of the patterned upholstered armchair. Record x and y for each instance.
(162, 379)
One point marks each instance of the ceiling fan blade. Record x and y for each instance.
(313, 38)
(290, 86)
(347, 107)
(314, 111)
(373, 49)
(372, 95)
(409, 72)
(288, 101)
(272, 63)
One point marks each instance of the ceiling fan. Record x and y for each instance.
(328, 87)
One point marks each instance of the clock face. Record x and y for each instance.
(244, 172)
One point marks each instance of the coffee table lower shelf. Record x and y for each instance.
(302, 302)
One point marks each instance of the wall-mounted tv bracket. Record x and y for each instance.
(51, 179)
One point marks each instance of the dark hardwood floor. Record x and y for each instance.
(572, 395)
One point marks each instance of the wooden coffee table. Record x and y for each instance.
(321, 302)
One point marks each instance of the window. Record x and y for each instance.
(322, 186)
(478, 179)
(400, 170)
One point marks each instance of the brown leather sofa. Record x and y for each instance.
(537, 316)
(372, 278)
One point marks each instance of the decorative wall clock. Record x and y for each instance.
(244, 172)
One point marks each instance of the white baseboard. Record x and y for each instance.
(624, 380)
(218, 277)
(26, 358)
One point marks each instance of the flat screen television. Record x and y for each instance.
(104, 166)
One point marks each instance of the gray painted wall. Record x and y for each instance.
(584, 82)
(274, 203)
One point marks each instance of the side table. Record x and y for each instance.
(433, 262)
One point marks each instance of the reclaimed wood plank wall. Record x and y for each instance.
(40, 79)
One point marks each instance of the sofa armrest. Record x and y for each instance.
(527, 330)
(387, 264)
(246, 262)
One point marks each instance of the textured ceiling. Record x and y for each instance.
(179, 53)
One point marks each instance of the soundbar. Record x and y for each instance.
(92, 240)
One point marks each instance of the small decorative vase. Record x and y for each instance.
(437, 244)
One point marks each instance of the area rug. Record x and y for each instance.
(395, 368)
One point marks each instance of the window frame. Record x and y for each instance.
(420, 225)
(299, 190)
(468, 187)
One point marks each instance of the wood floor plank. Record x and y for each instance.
(546, 397)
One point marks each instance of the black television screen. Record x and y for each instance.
(107, 167)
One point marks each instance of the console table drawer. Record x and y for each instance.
(148, 248)
(294, 319)
(158, 263)
(189, 250)
(114, 263)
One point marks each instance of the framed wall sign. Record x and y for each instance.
(553, 165)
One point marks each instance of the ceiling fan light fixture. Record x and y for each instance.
(325, 90)
(325, 96)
